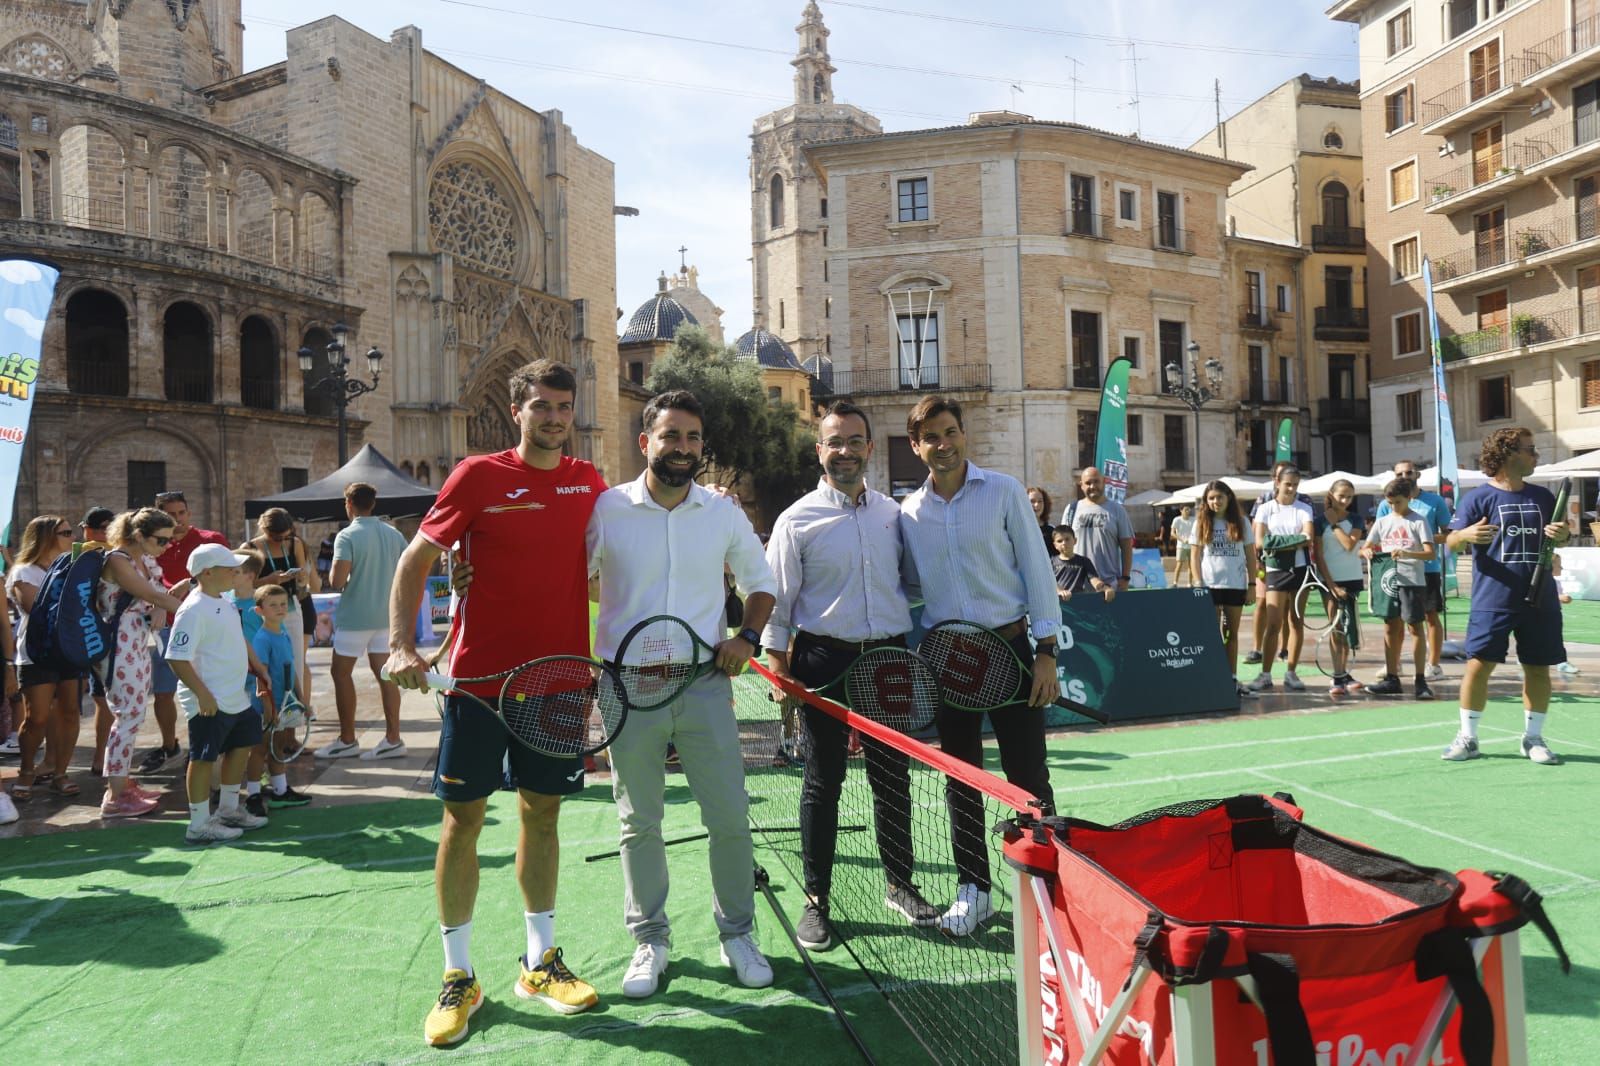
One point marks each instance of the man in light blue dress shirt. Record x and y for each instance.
(975, 554)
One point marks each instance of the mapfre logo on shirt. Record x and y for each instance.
(568, 490)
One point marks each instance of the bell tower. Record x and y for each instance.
(789, 215)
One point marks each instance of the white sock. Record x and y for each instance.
(1469, 723)
(458, 946)
(199, 813)
(1533, 723)
(252, 788)
(280, 784)
(541, 934)
(229, 799)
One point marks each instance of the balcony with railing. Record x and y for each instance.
(1467, 102)
(1557, 329)
(1561, 147)
(1340, 323)
(1268, 390)
(259, 393)
(1338, 239)
(1256, 317)
(1337, 412)
(1560, 239)
(1088, 224)
(1478, 342)
(1485, 261)
(1480, 180)
(1569, 54)
(1167, 238)
(891, 380)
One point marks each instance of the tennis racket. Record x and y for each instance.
(891, 686)
(288, 733)
(559, 705)
(1319, 619)
(1343, 636)
(659, 658)
(1547, 554)
(978, 671)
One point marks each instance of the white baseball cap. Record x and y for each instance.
(210, 556)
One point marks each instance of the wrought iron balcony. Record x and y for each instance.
(1338, 239)
(1338, 411)
(1340, 323)
(882, 382)
(1256, 317)
(1088, 224)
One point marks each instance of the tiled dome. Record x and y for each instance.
(767, 349)
(657, 319)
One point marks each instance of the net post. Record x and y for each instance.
(1030, 982)
(1513, 999)
(1194, 1039)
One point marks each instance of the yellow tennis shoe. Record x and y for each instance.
(459, 1000)
(558, 987)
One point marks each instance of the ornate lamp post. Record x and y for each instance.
(1194, 394)
(337, 385)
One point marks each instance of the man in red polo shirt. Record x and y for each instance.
(519, 518)
(174, 571)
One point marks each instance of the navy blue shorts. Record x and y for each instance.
(1538, 633)
(473, 750)
(163, 682)
(213, 737)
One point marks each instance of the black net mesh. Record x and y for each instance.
(956, 995)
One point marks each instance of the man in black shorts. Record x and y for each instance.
(500, 508)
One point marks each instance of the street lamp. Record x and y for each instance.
(1194, 394)
(337, 385)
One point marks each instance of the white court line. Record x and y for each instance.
(1560, 742)
(1580, 880)
(1200, 775)
(1277, 740)
(29, 924)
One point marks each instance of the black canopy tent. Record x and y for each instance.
(323, 501)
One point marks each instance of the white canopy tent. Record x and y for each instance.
(1364, 483)
(1148, 498)
(1585, 465)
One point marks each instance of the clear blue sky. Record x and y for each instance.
(674, 112)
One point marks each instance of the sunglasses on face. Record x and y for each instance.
(63, 532)
(169, 497)
(163, 541)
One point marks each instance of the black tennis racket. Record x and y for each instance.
(977, 669)
(659, 658)
(891, 686)
(559, 705)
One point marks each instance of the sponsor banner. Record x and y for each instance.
(1148, 571)
(1283, 449)
(439, 599)
(1143, 657)
(1444, 426)
(1111, 438)
(26, 289)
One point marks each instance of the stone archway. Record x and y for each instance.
(98, 467)
(489, 424)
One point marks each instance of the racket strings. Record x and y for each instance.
(976, 669)
(893, 687)
(553, 706)
(656, 661)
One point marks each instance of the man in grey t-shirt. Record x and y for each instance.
(1104, 533)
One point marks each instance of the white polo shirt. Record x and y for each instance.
(654, 561)
(206, 632)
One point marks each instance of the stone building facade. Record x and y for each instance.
(210, 223)
(1482, 153)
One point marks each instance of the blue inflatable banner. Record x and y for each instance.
(26, 289)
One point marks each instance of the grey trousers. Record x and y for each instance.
(702, 724)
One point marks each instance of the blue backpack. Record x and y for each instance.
(63, 624)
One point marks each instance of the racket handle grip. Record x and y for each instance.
(443, 681)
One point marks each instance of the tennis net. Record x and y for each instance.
(956, 995)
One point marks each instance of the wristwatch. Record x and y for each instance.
(1045, 647)
(752, 638)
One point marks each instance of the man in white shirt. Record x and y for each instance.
(975, 553)
(660, 545)
(836, 554)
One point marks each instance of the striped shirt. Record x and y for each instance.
(977, 557)
(837, 564)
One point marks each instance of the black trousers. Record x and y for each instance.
(888, 773)
(1019, 731)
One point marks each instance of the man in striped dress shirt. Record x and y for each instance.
(975, 555)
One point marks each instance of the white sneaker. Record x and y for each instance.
(10, 746)
(971, 909)
(339, 750)
(644, 972)
(1435, 672)
(1262, 683)
(211, 832)
(1292, 682)
(8, 810)
(384, 749)
(1461, 749)
(1564, 669)
(1536, 749)
(240, 819)
(749, 965)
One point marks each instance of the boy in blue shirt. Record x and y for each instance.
(273, 647)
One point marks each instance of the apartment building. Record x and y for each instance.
(1303, 139)
(1481, 139)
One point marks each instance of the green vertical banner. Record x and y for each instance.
(1111, 441)
(1285, 445)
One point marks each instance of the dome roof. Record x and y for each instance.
(657, 319)
(820, 367)
(767, 349)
